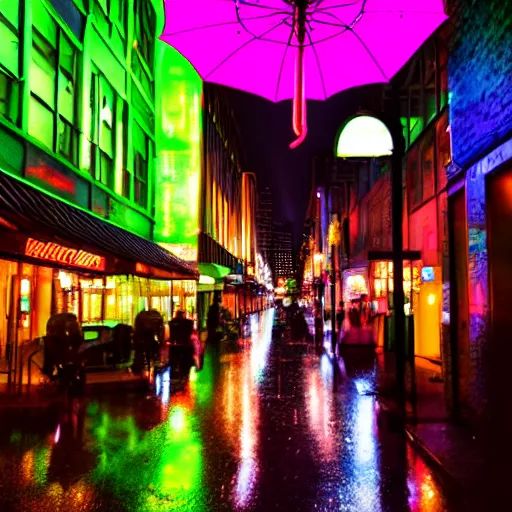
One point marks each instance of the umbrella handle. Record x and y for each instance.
(300, 126)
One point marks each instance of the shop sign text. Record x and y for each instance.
(66, 256)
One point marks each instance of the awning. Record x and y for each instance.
(213, 270)
(36, 213)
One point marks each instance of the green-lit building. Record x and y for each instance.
(206, 203)
(77, 166)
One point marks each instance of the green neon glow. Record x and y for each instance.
(178, 132)
(412, 125)
(156, 470)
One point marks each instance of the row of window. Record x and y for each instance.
(55, 90)
(222, 219)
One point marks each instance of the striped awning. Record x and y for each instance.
(34, 212)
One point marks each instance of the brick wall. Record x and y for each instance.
(480, 77)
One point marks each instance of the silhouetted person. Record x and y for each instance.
(213, 320)
(340, 317)
(181, 351)
(147, 337)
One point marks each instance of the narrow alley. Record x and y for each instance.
(266, 427)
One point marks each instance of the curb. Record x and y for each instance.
(453, 485)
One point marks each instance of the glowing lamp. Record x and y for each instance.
(364, 136)
(25, 287)
(65, 280)
(206, 279)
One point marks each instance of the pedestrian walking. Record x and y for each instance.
(340, 316)
(213, 321)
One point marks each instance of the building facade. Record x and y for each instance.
(205, 203)
(77, 177)
(282, 252)
(265, 222)
(480, 116)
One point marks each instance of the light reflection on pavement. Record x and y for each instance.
(265, 427)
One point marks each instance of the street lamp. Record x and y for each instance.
(377, 136)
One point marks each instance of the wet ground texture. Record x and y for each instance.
(265, 427)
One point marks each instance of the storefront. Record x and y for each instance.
(381, 288)
(355, 284)
(423, 293)
(55, 258)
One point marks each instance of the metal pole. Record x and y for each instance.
(333, 299)
(398, 286)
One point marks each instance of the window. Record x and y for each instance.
(144, 43)
(102, 131)
(9, 60)
(127, 184)
(142, 155)
(140, 181)
(43, 85)
(110, 19)
(67, 98)
(443, 72)
(53, 87)
(145, 23)
(9, 96)
(71, 15)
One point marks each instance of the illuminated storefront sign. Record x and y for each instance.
(50, 251)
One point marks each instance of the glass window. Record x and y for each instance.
(41, 122)
(140, 181)
(127, 183)
(53, 78)
(43, 69)
(9, 24)
(145, 22)
(9, 97)
(414, 177)
(443, 151)
(71, 15)
(427, 166)
(443, 73)
(141, 159)
(106, 117)
(67, 77)
(102, 134)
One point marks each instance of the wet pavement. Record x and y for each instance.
(266, 427)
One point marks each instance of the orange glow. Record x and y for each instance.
(60, 254)
(141, 268)
(320, 408)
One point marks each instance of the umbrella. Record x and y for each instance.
(299, 49)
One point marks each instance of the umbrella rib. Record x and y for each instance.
(222, 24)
(339, 6)
(234, 52)
(282, 63)
(317, 58)
(259, 6)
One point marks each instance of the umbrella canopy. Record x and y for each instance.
(299, 49)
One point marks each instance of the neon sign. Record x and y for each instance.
(59, 254)
(52, 177)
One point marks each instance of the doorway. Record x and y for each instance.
(499, 245)
(459, 306)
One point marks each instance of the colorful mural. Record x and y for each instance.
(478, 269)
